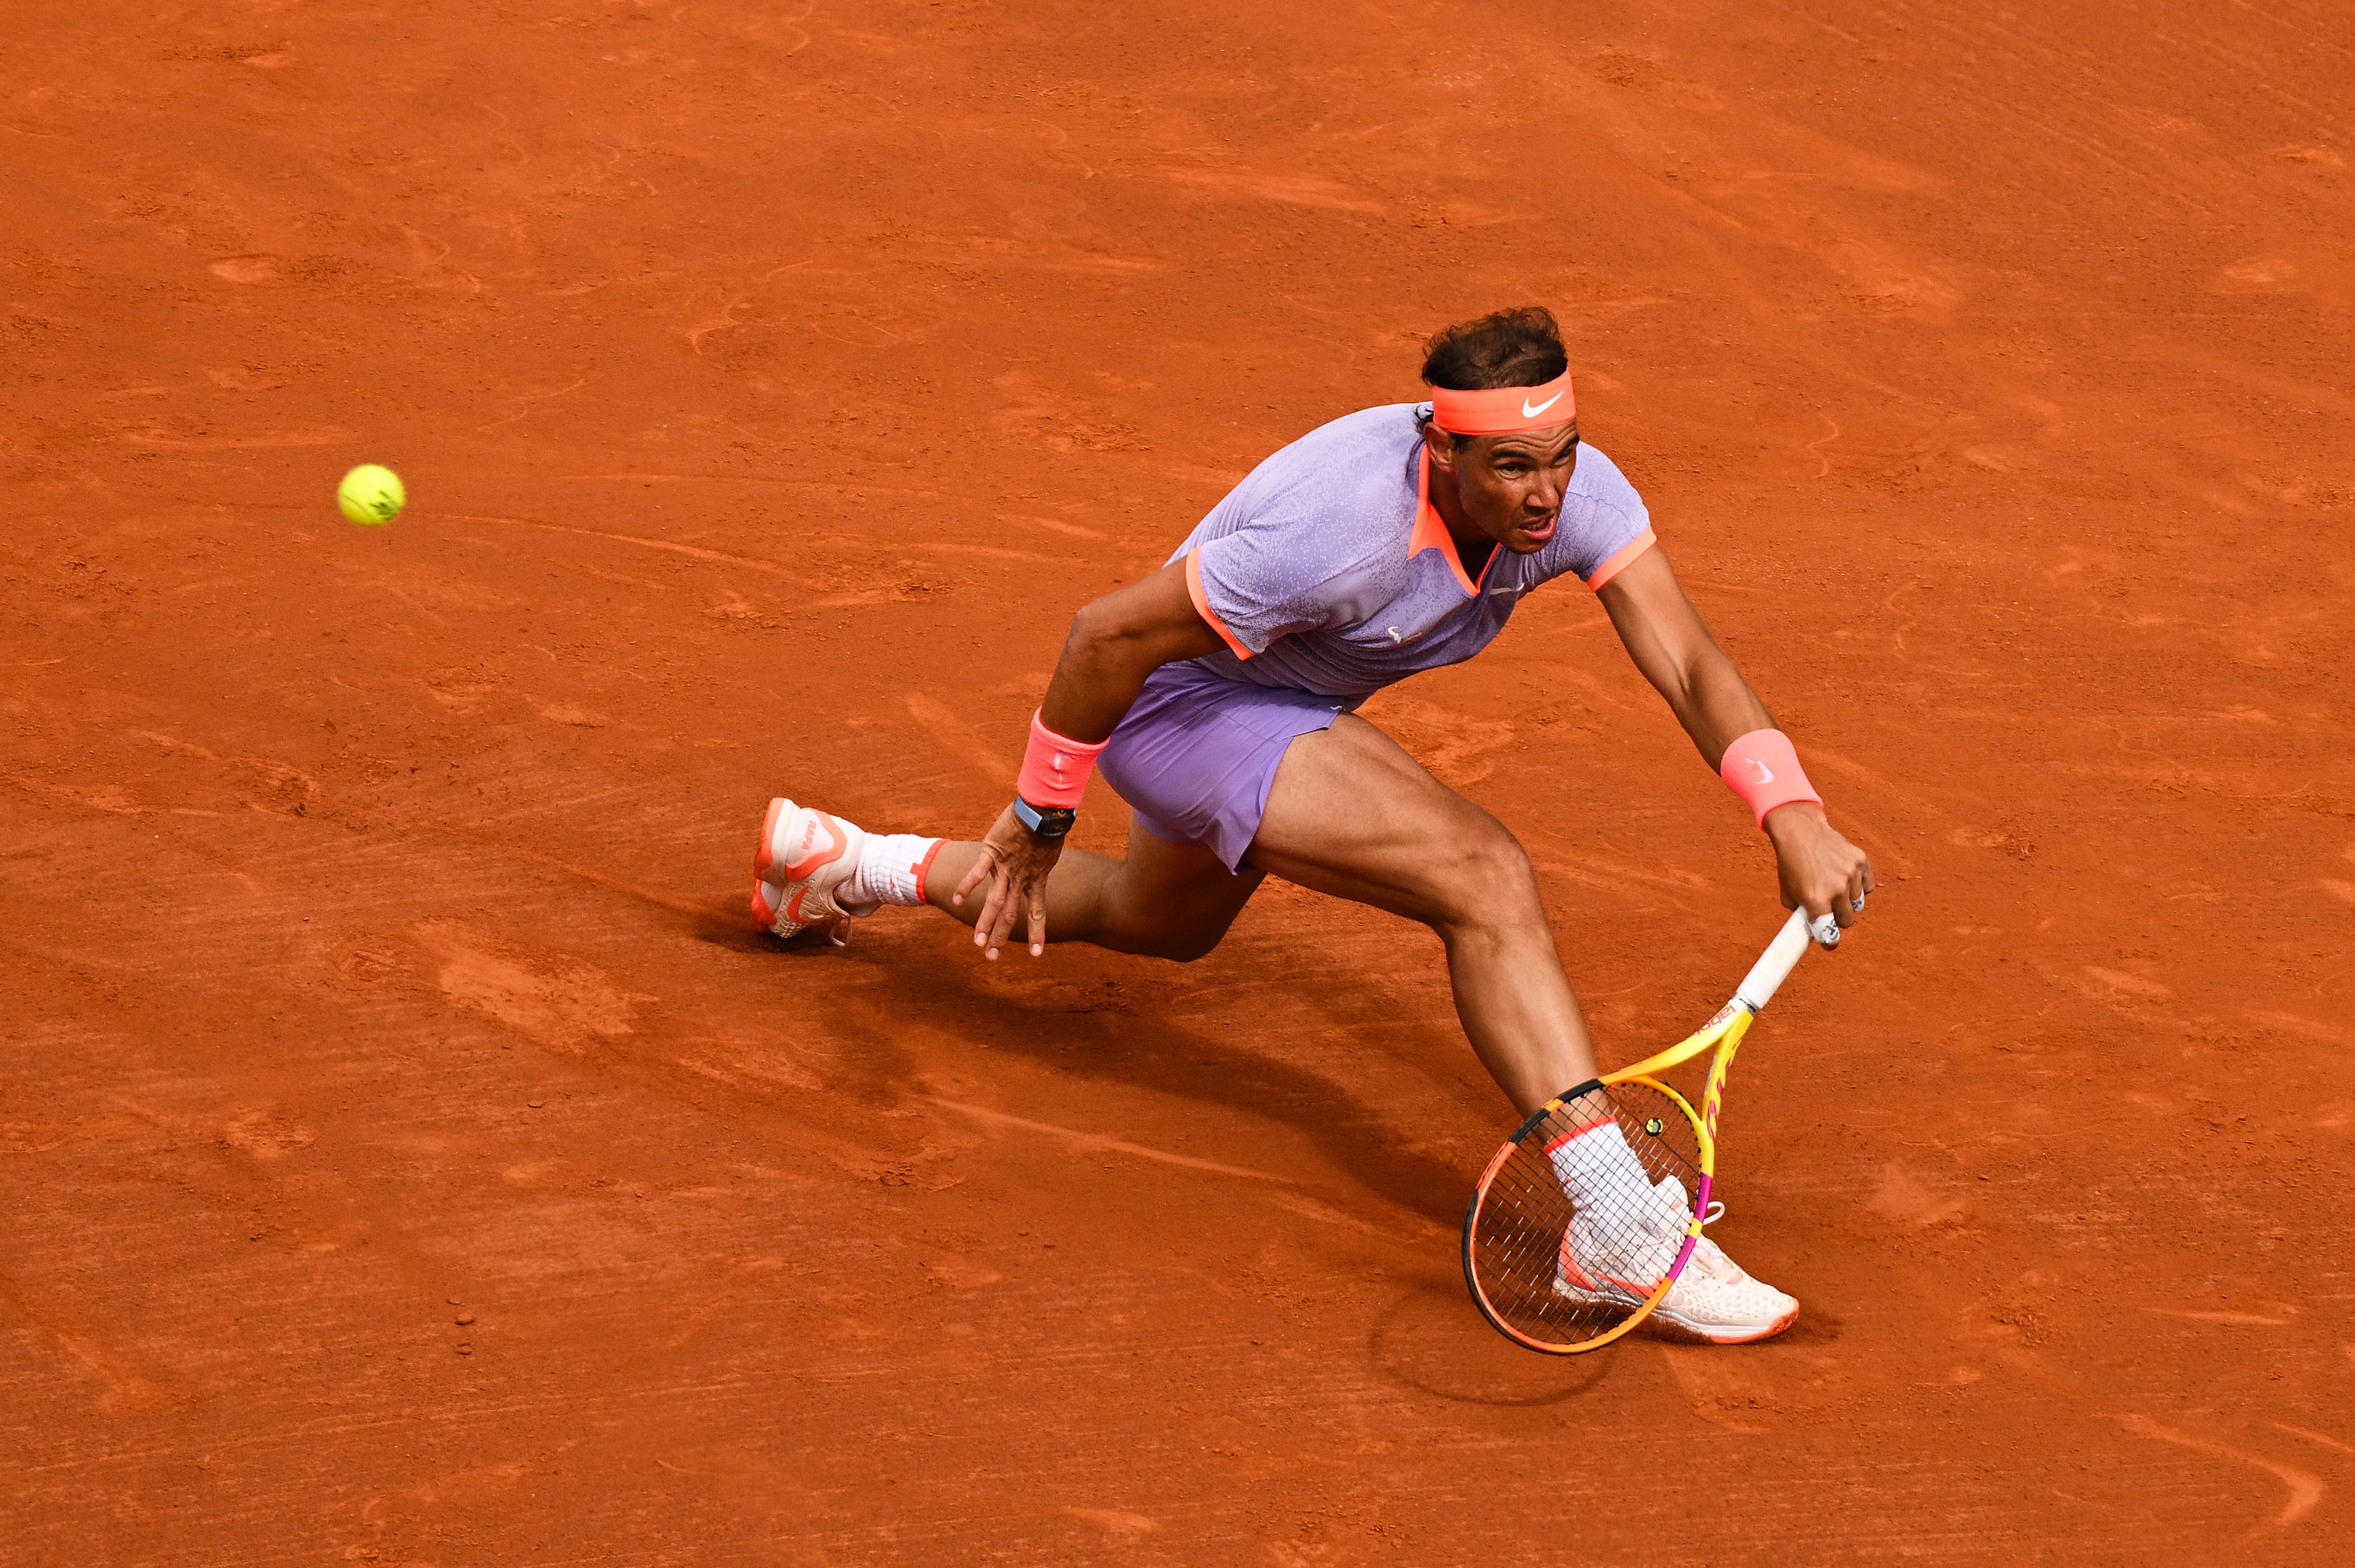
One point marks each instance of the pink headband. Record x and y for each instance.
(1504, 410)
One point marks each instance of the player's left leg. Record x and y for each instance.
(1165, 901)
(814, 871)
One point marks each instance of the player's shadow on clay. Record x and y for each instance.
(1426, 1339)
(1136, 1049)
(1430, 1342)
(727, 923)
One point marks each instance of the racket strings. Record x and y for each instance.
(1557, 1270)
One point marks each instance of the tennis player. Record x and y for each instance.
(1219, 695)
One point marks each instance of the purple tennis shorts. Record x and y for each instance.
(1196, 754)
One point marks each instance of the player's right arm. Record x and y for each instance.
(1114, 644)
(1821, 872)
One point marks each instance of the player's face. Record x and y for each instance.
(1510, 486)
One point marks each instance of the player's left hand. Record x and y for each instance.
(1821, 872)
(1016, 861)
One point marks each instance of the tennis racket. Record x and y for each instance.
(1561, 1277)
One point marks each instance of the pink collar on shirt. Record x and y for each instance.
(1431, 531)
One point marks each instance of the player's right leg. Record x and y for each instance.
(1715, 1300)
(1352, 815)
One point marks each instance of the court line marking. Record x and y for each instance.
(952, 735)
(501, 846)
(754, 563)
(1094, 1142)
(2314, 1437)
(697, 551)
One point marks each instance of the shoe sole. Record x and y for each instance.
(764, 851)
(761, 855)
(764, 899)
(1667, 1325)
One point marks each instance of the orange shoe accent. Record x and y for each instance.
(804, 868)
(762, 857)
(1575, 1275)
(765, 853)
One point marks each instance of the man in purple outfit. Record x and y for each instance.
(1220, 694)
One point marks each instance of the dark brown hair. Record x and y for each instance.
(1516, 347)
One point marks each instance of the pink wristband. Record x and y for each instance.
(1055, 768)
(1764, 771)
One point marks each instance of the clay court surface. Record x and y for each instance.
(411, 1154)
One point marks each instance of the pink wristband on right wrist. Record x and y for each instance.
(1763, 768)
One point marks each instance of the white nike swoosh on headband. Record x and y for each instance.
(1529, 413)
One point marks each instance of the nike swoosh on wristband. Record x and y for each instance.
(1765, 774)
(1529, 413)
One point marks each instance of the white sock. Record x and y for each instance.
(891, 869)
(1601, 1173)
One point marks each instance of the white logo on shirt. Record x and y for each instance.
(1398, 637)
(1529, 413)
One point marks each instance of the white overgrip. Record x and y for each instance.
(1782, 955)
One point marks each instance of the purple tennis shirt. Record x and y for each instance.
(1328, 570)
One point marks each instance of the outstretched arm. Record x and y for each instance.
(1115, 644)
(1821, 872)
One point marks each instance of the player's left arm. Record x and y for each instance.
(1821, 872)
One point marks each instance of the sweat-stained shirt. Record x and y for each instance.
(1328, 570)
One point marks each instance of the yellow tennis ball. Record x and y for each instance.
(371, 496)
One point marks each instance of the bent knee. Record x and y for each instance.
(1485, 872)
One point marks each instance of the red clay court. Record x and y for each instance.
(413, 1156)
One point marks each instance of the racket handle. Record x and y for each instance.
(1782, 955)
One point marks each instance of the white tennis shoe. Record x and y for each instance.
(803, 858)
(1713, 1302)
